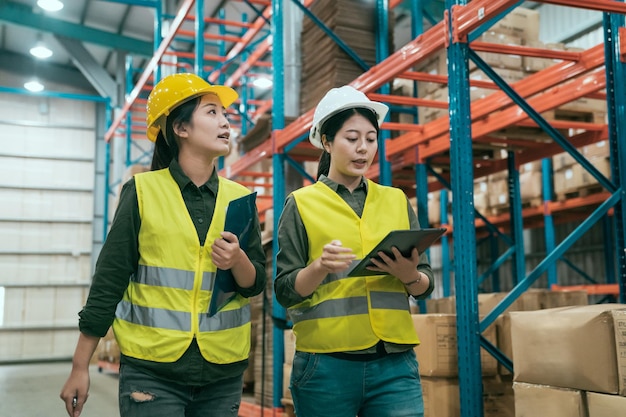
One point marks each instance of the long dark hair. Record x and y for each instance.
(166, 146)
(331, 126)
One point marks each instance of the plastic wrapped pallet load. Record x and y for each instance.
(581, 347)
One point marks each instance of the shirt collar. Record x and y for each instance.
(335, 186)
(183, 180)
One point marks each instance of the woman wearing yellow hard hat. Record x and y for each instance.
(354, 334)
(154, 277)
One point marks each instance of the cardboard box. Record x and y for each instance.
(531, 186)
(290, 345)
(534, 64)
(545, 401)
(498, 397)
(521, 22)
(499, 60)
(604, 405)
(437, 353)
(581, 347)
(441, 397)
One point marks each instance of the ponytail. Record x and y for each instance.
(323, 166)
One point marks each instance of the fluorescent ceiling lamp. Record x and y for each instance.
(50, 5)
(33, 85)
(263, 83)
(40, 51)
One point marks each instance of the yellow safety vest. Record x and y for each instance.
(165, 305)
(352, 313)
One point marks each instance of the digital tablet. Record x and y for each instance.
(404, 240)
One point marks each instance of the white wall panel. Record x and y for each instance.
(46, 173)
(22, 237)
(46, 205)
(53, 111)
(34, 141)
(40, 269)
(557, 23)
(43, 306)
(47, 177)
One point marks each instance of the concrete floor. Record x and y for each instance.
(32, 390)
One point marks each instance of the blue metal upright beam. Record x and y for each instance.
(199, 41)
(517, 224)
(548, 221)
(278, 187)
(462, 181)
(382, 52)
(616, 103)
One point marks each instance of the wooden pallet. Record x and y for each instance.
(526, 203)
(579, 192)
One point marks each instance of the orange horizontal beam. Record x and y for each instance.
(524, 51)
(222, 22)
(248, 37)
(401, 126)
(192, 34)
(594, 289)
(409, 101)
(150, 67)
(531, 85)
(192, 55)
(259, 153)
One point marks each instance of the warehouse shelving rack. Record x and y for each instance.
(450, 139)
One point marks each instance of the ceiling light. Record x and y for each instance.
(40, 51)
(50, 5)
(34, 85)
(263, 83)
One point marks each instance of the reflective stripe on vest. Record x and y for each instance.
(352, 313)
(179, 320)
(165, 305)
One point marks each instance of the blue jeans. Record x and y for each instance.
(325, 386)
(142, 395)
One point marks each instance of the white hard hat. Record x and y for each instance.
(338, 99)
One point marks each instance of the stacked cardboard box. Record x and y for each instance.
(324, 64)
(571, 179)
(571, 356)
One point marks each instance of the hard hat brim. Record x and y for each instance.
(379, 109)
(225, 94)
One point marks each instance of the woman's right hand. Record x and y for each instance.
(335, 257)
(76, 387)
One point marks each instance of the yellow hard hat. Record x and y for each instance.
(176, 89)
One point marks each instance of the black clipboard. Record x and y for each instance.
(240, 216)
(404, 240)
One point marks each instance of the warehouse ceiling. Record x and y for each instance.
(90, 39)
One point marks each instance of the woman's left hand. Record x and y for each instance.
(226, 251)
(396, 265)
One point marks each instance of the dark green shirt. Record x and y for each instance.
(119, 259)
(293, 245)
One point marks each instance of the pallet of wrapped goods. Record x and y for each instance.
(575, 181)
(553, 347)
(532, 400)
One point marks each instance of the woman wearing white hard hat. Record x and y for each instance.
(354, 335)
(154, 277)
